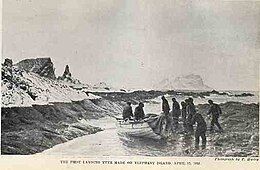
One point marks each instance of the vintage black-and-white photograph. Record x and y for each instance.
(130, 78)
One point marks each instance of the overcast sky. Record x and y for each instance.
(136, 44)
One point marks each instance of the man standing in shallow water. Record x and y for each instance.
(215, 111)
(200, 130)
(183, 114)
(190, 110)
(166, 111)
(176, 112)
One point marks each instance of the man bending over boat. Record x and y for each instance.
(127, 111)
(139, 112)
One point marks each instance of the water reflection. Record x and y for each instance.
(178, 144)
(109, 143)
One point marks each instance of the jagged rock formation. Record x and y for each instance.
(188, 82)
(42, 66)
(67, 76)
(8, 62)
(68, 79)
(20, 88)
(38, 111)
(66, 72)
(14, 89)
(7, 70)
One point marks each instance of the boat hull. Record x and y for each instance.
(136, 129)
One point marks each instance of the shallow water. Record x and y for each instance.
(108, 143)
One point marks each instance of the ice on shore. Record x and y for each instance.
(26, 89)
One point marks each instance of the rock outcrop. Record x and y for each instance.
(21, 88)
(38, 111)
(42, 66)
(29, 130)
(67, 77)
(241, 125)
(8, 62)
(7, 72)
(67, 72)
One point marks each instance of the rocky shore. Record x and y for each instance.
(241, 125)
(144, 96)
(40, 110)
(29, 130)
(239, 120)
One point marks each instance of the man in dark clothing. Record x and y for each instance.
(175, 112)
(127, 111)
(183, 114)
(166, 110)
(191, 110)
(215, 111)
(139, 112)
(165, 106)
(200, 130)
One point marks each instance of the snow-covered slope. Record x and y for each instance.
(187, 82)
(25, 88)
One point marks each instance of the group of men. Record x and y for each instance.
(188, 114)
(138, 113)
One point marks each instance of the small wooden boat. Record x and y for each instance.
(136, 129)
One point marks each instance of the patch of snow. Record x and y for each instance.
(15, 97)
(45, 90)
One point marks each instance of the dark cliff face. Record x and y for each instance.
(66, 72)
(6, 70)
(42, 66)
(8, 62)
(67, 77)
(29, 130)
